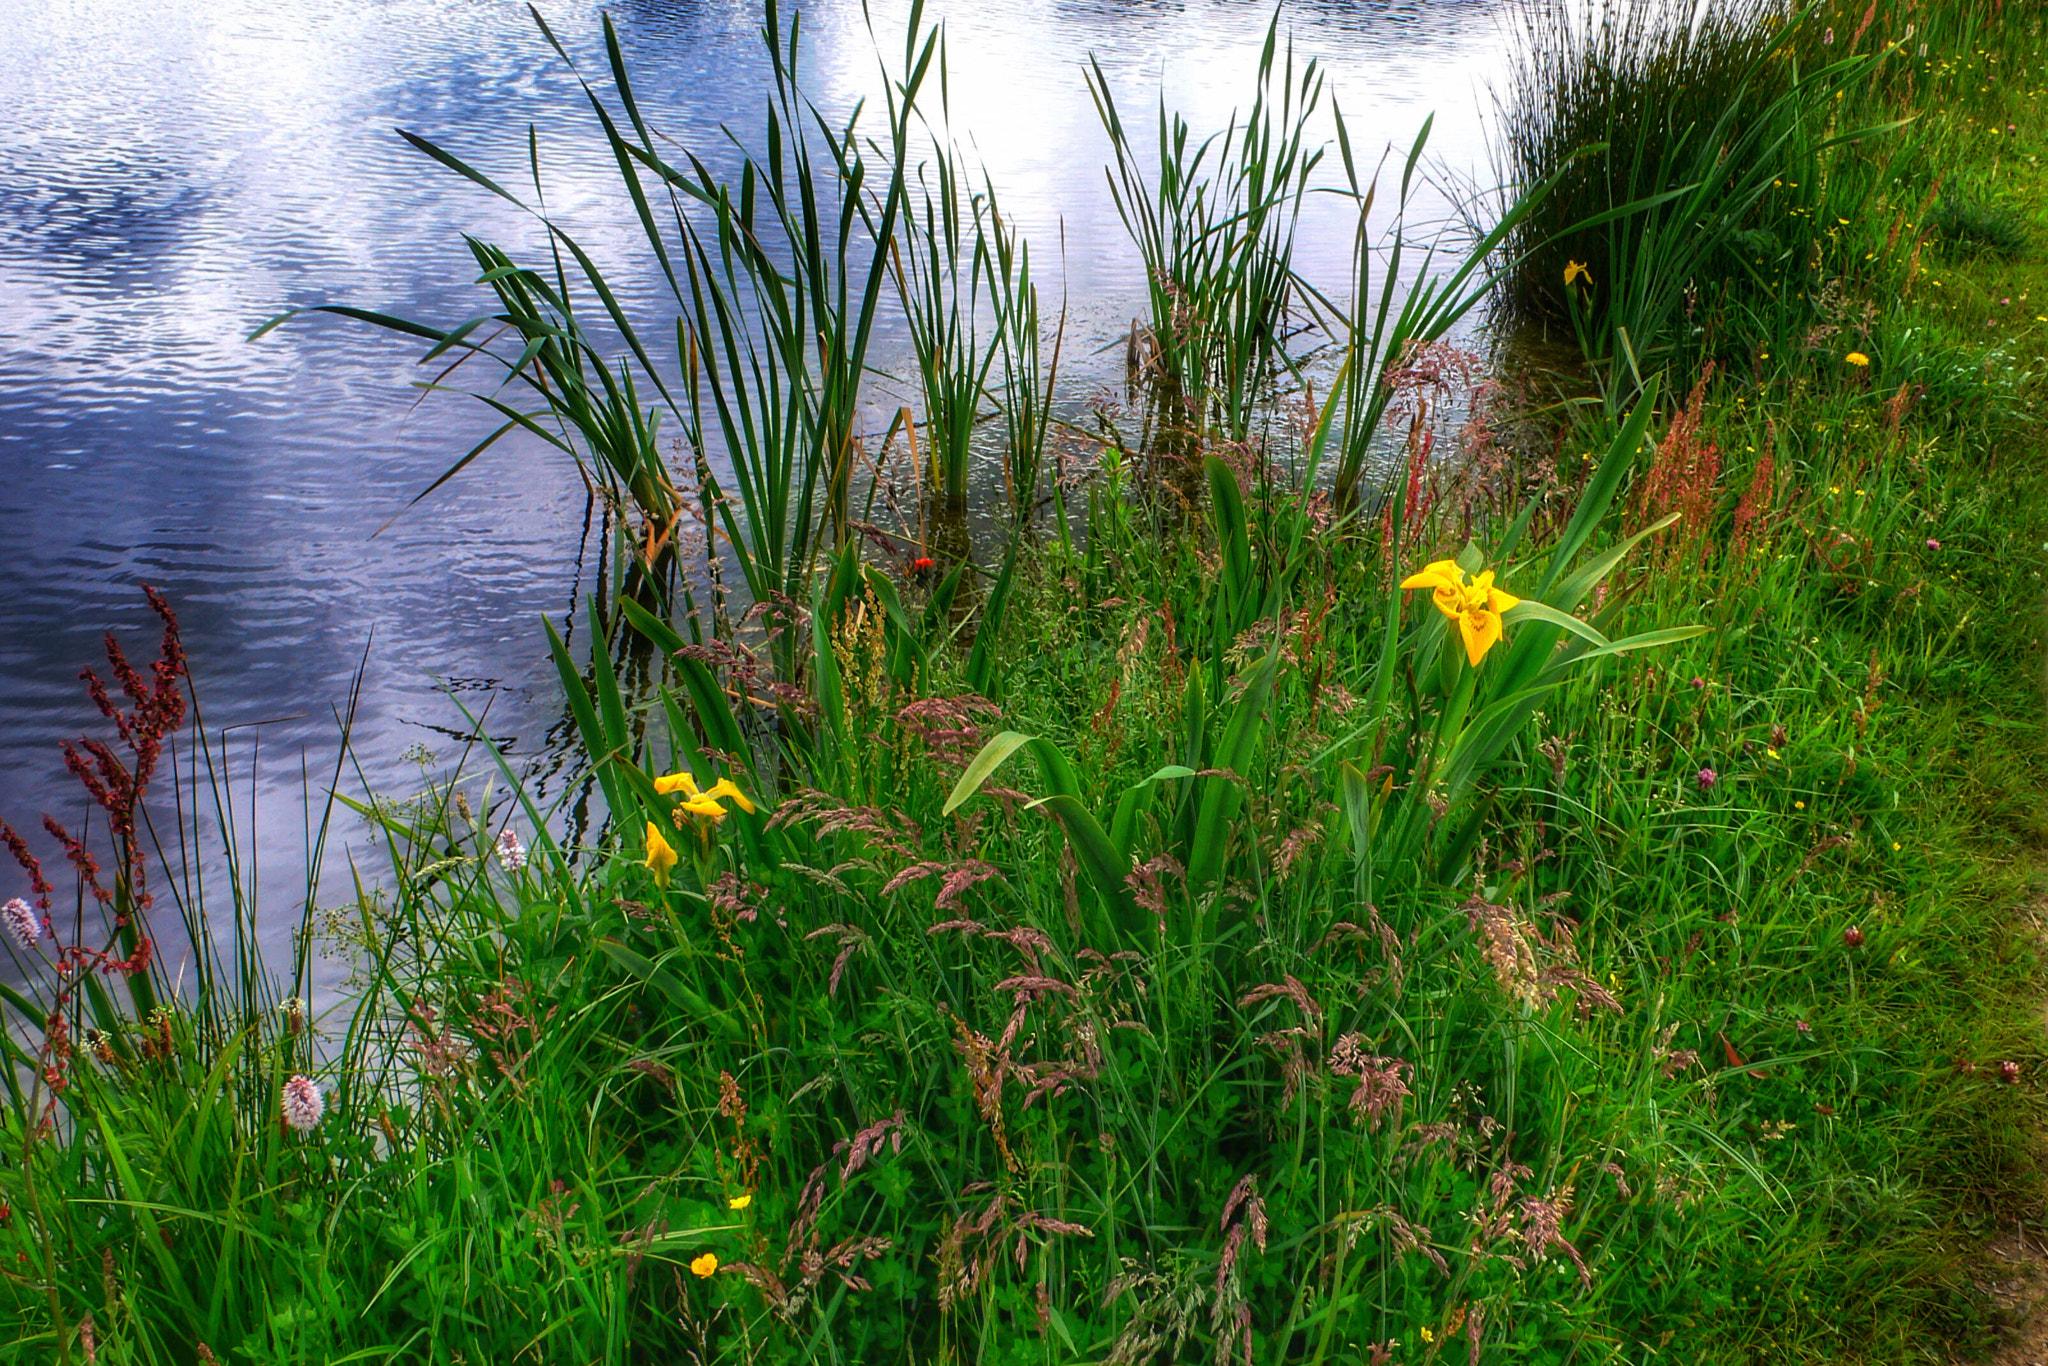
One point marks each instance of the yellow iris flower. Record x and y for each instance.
(703, 802)
(703, 808)
(724, 788)
(684, 783)
(1576, 270)
(1471, 600)
(661, 855)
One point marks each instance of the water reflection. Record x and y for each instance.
(171, 174)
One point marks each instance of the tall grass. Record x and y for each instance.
(1363, 993)
(786, 290)
(945, 258)
(1214, 226)
(1029, 374)
(1695, 154)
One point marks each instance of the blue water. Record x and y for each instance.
(173, 173)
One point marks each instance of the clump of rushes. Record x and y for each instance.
(1701, 166)
(1213, 220)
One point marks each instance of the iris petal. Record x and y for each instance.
(725, 787)
(661, 855)
(1481, 632)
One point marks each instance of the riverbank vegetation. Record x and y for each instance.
(1423, 858)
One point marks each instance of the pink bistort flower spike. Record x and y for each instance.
(302, 1104)
(511, 853)
(24, 926)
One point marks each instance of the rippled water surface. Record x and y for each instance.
(173, 173)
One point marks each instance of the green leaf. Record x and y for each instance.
(610, 701)
(578, 696)
(983, 765)
(981, 660)
(1583, 582)
(1136, 801)
(720, 728)
(693, 1005)
(1221, 799)
(907, 660)
(1530, 609)
(1232, 530)
(1056, 769)
(1670, 635)
(1103, 866)
(825, 665)
(1600, 491)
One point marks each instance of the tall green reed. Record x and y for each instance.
(1024, 392)
(780, 293)
(1214, 226)
(1397, 302)
(944, 256)
(590, 404)
(785, 291)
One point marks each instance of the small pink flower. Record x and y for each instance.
(1802, 1026)
(302, 1104)
(1706, 778)
(24, 927)
(1933, 544)
(511, 853)
(1698, 682)
(2009, 1072)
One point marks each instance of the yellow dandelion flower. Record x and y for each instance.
(1857, 359)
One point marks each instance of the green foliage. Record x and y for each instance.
(1213, 221)
(1261, 977)
(1701, 159)
(1966, 226)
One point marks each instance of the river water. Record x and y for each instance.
(173, 173)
